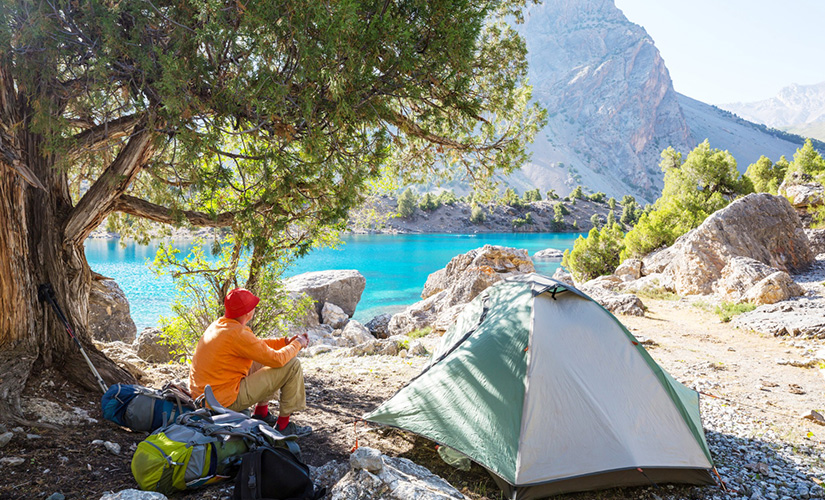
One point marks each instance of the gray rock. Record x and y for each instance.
(738, 276)
(760, 226)
(777, 287)
(801, 192)
(5, 438)
(448, 290)
(563, 276)
(549, 254)
(334, 316)
(109, 317)
(150, 346)
(379, 326)
(417, 349)
(656, 261)
(131, 494)
(399, 479)
(625, 303)
(629, 270)
(816, 237)
(111, 447)
(56, 496)
(316, 350)
(367, 459)
(389, 349)
(800, 318)
(11, 461)
(125, 356)
(328, 474)
(355, 333)
(341, 287)
(367, 348)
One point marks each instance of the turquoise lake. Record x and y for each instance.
(395, 266)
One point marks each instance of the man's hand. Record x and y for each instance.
(303, 339)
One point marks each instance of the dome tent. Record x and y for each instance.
(547, 390)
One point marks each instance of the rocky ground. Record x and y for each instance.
(756, 390)
(378, 215)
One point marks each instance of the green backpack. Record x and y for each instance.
(201, 448)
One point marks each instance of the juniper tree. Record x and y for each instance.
(265, 118)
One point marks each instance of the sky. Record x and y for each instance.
(725, 51)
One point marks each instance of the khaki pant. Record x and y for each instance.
(263, 383)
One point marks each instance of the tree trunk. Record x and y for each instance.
(34, 250)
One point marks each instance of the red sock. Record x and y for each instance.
(261, 410)
(282, 422)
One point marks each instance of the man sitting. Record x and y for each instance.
(243, 369)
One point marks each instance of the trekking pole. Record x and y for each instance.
(46, 293)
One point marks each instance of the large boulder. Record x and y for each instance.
(759, 226)
(471, 273)
(739, 276)
(109, 317)
(341, 287)
(801, 191)
(817, 239)
(373, 475)
(150, 346)
(775, 288)
(448, 290)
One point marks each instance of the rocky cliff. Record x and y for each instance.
(611, 105)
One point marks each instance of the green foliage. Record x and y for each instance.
(199, 282)
(523, 221)
(477, 215)
(611, 202)
(596, 255)
(429, 203)
(596, 220)
(706, 182)
(807, 160)
(559, 211)
(597, 197)
(552, 195)
(765, 176)
(447, 198)
(512, 199)
(631, 212)
(407, 202)
(611, 218)
(727, 310)
(577, 193)
(532, 195)
(420, 332)
(269, 118)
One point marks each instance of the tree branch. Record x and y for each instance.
(101, 134)
(98, 201)
(142, 208)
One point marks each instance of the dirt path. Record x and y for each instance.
(741, 366)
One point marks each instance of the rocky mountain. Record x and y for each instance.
(797, 108)
(612, 108)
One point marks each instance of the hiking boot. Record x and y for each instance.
(292, 429)
(269, 420)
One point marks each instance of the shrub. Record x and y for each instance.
(576, 194)
(596, 221)
(447, 198)
(512, 199)
(429, 203)
(597, 197)
(477, 215)
(421, 332)
(727, 310)
(611, 203)
(765, 176)
(552, 195)
(406, 204)
(532, 195)
(523, 221)
(596, 255)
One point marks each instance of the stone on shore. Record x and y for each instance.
(150, 346)
(109, 317)
(448, 290)
(334, 316)
(549, 254)
(341, 287)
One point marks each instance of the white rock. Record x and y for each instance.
(334, 316)
(366, 458)
(11, 461)
(5, 438)
(132, 494)
(113, 448)
(356, 333)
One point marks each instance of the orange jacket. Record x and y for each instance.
(224, 354)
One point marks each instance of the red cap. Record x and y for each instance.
(239, 302)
